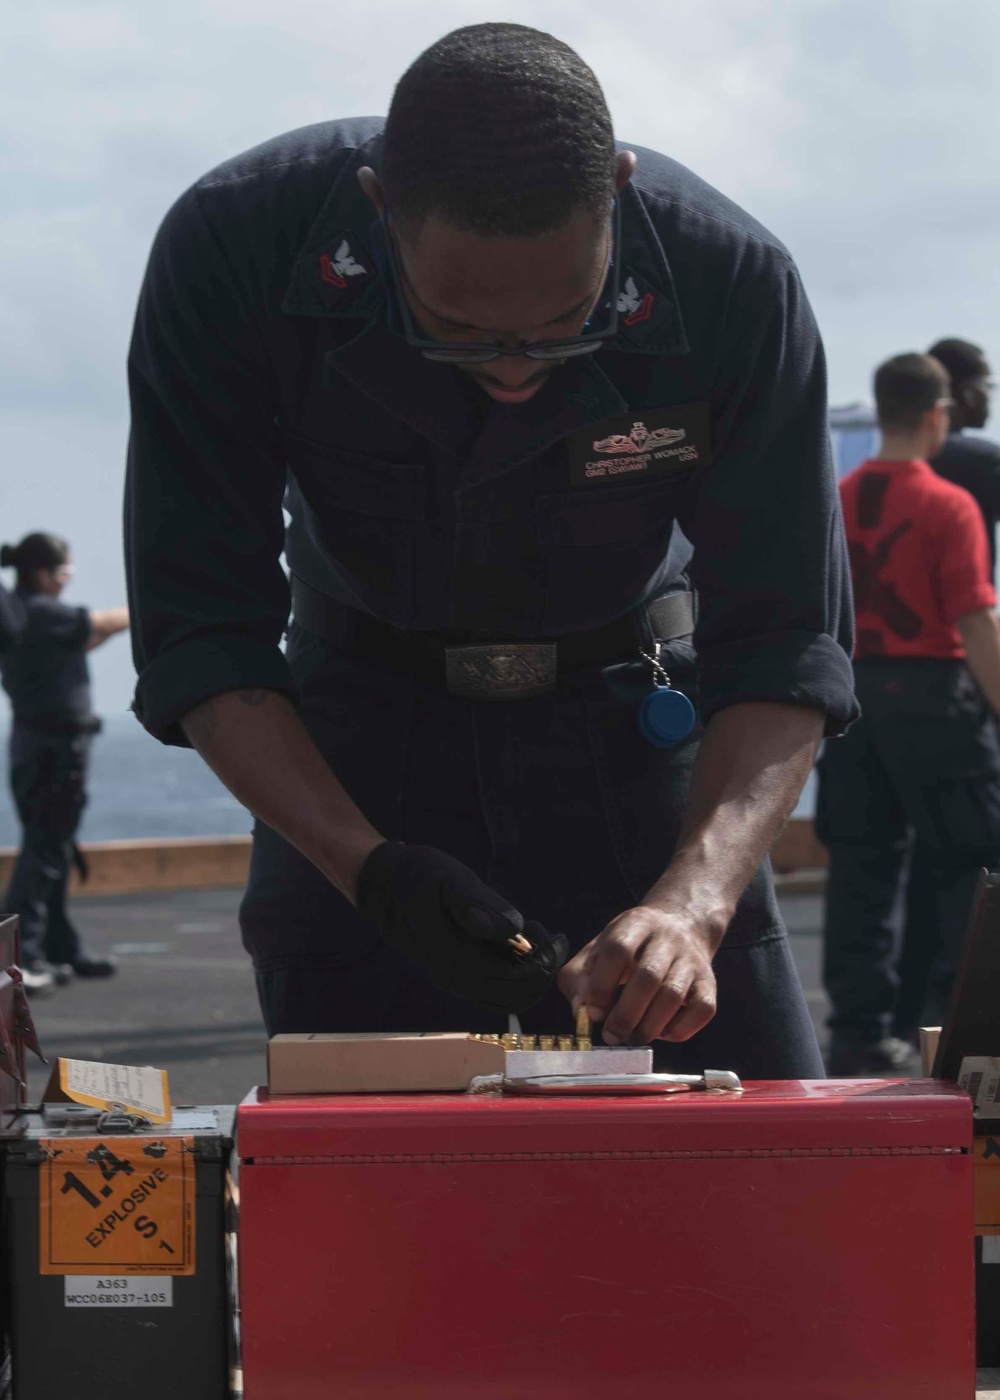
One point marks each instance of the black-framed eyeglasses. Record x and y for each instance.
(590, 339)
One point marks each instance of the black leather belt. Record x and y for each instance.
(478, 667)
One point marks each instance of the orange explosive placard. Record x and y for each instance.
(117, 1206)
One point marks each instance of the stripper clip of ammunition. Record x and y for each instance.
(511, 1041)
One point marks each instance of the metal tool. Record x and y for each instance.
(713, 1080)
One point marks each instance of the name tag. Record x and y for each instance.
(646, 442)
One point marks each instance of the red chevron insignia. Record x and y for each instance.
(644, 311)
(327, 273)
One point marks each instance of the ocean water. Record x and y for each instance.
(140, 788)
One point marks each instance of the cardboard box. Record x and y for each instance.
(930, 1037)
(374, 1064)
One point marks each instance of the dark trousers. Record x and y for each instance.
(48, 780)
(921, 944)
(557, 802)
(921, 766)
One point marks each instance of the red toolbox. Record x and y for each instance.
(801, 1239)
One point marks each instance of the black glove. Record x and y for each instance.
(436, 911)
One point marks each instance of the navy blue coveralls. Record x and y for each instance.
(263, 371)
(47, 679)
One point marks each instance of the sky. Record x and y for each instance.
(864, 133)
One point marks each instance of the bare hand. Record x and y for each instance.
(648, 977)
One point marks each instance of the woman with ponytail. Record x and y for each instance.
(46, 676)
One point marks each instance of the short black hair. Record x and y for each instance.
(906, 387)
(35, 551)
(500, 130)
(962, 359)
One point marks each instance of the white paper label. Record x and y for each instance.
(991, 1249)
(138, 1086)
(119, 1291)
(979, 1076)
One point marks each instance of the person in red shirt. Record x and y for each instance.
(923, 761)
(971, 460)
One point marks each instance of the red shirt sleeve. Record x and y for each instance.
(965, 577)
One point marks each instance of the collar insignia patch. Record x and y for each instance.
(648, 442)
(335, 271)
(632, 307)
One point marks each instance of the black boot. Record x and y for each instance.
(85, 966)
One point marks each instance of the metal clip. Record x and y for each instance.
(116, 1119)
(712, 1079)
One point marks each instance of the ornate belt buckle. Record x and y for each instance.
(501, 670)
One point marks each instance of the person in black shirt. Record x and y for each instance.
(46, 676)
(972, 462)
(505, 375)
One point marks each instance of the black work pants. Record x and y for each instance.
(557, 802)
(921, 943)
(48, 780)
(922, 764)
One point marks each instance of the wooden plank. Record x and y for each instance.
(199, 862)
(176, 863)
